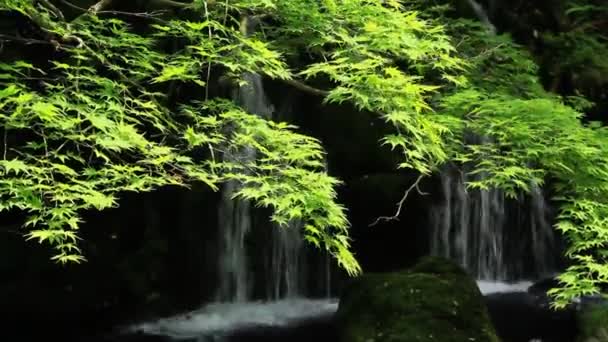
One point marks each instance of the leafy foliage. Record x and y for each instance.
(532, 136)
(96, 121)
(577, 48)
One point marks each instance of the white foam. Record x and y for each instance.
(489, 287)
(222, 317)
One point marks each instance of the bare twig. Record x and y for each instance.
(148, 15)
(395, 217)
(99, 6)
(208, 63)
(5, 141)
(53, 9)
(225, 12)
(11, 229)
(224, 80)
(27, 41)
(172, 3)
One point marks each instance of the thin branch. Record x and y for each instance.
(13, 229)
(400, 203)
(27, 41)
(147, 15)
(224, 80)
(306, 88)
(5, 141)
(591, 24)
(172, 3)
(225, 12)
(208, 63)
(53, 9)
(100, 6)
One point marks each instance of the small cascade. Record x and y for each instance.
(542, 236)
(234, 216)
(283, 274)
(491, 237)
(494, 239)
(234, 224)
(327, 285)
(287, 267)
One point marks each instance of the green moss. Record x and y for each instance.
(434, 301)
(593, 324)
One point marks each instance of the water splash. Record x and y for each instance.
(490, 287)
(216, 319)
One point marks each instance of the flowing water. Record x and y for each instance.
(491, 237)
(234, 216)
(216, 320)
(507, 244)
(284, 272)
(287, 271)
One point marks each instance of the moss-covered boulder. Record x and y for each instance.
(433, 301)
(593, 324)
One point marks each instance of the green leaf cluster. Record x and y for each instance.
(97, 121)
(578, 47)
(532, 136)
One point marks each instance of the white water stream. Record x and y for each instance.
(492, 238)
(219, 318)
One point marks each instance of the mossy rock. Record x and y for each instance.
(433, 301)
(593, 324)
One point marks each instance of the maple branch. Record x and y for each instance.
(306, 88)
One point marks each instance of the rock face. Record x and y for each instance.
(433, 301)
(593, 323)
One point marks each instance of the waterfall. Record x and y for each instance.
(234, 216)
(491, 237)
(285, 270)
(234, 223)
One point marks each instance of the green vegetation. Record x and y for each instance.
(102, 116)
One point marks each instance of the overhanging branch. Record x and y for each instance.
(227, 81)
(306, 88)
(53, 9)
(177, 4)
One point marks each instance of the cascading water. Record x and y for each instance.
(286, 268)
(284, 274)
(234, 216)
(491, 237)
(287, 272)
